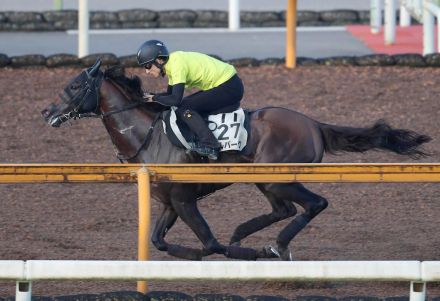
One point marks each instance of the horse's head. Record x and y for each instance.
(80, 96)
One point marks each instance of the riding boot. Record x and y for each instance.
(207, 145)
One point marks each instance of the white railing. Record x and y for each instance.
(414, 8)
(234, 15)
(425, 11)
(84, 21)
(431, 11)
(416, 272)
(83, 28)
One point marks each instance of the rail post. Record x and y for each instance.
(390, 22)
(143, 180)
(429, 12)
(375, 16)
(405, 17)
(23, 291)
(417, 291)
(234, 15)
(83, 28)
(291, 34)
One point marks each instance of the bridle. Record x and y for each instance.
(85, 94)
(92, 86)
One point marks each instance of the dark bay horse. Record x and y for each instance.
(277, 135)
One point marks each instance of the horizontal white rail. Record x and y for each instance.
(24, 272)
(12, 269)
(220, 270)
(224, 270)
(430, 271)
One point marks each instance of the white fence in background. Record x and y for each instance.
(416, 272)
(424, 11)
(431, 11)
(83, 27)
(234, 15)
(84, 20)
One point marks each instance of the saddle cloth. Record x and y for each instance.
(228, 128)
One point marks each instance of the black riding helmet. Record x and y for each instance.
(150, 51)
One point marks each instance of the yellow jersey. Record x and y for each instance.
(197, 70)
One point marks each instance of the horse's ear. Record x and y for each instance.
(94, 69)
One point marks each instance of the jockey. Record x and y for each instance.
(218, 84)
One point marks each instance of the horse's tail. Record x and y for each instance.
(380, 136)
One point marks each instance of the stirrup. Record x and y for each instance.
(206, 151)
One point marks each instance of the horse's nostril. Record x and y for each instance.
(48, 110)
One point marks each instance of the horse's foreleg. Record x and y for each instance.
(312, 203)
(281, 209)
(166, 220)
(190, 214)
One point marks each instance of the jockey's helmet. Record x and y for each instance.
(150, 51)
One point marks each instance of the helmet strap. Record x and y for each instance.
(160, 66)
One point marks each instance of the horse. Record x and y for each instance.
(277, 135)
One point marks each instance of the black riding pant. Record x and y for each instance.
(204, 102)
(193, 107)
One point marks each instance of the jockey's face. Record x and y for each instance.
(154, 71)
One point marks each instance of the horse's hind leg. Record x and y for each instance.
(281, 209)
(312, 203)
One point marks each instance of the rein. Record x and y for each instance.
(106, 114)
(146, 140)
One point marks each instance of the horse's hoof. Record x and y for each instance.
(235, 244)
(268, 252)
(286, 255)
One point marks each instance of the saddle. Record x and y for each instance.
(229, 125)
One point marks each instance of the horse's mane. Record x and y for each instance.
(133, 86)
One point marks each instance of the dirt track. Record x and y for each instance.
(363, 221)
